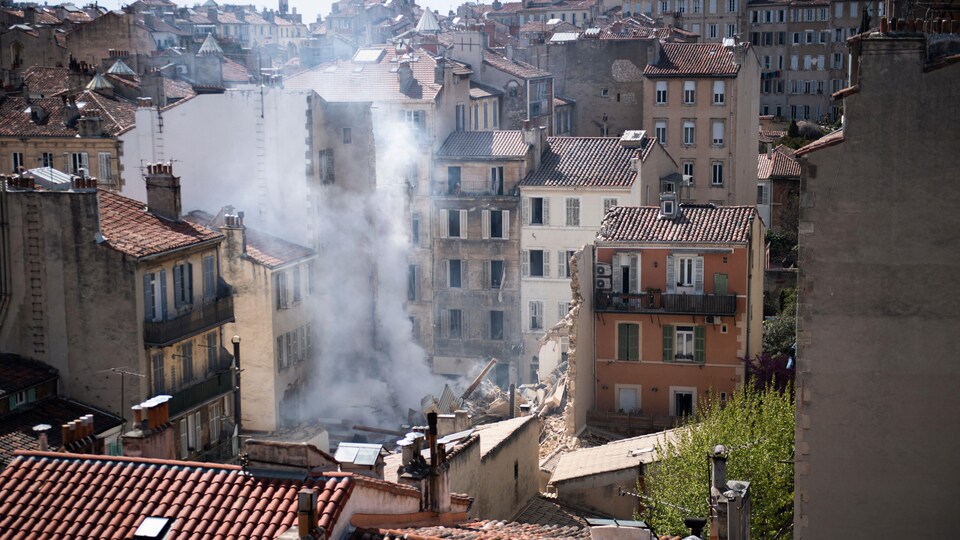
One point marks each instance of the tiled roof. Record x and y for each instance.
(828, 140)
(771, 135)
(508, 8)
(585, 161)
(129, 228)
(547, 510)
(477, 530)
(16, 429)
(47, 81)
(495, 434)
(779, 163)
(55, 495)
(693, 59)
(512, 67)
(478, 90)
(234, 71)
(262, 248)
(484, 145)
(17, 373)
(177, 89)
(116, 116)
(701, 224)
(346, 80)
(613, 456)
(561, 5)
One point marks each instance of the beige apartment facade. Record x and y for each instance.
(700, 102)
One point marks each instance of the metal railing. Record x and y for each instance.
(201, 318)
(654, 301)
(215, 385)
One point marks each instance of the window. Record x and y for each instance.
(536, 210)
(453, 180)
(718, 132)
(46, 159)
(853, 9)
(159, 386)
(609, 203)
(689, 343)
(17, 160)
(211, 347)
(689, 92)
(685, 276)
(216, 414)
(536, 315)
(731, 28)
(573, 212)
(183, 284)
(194, 433)
(486, 115)
(461, 116)
(717, 179)
(454, 324)
(719, 92)
(455, 224)
(455, 273)
(496, 180)
(280, 289)
(563, 262)
(763, 194)
(155, 296)
(688, 170)
(513, 89)
(837, 61)
(661, 130)
(661, 93)
(416, 121)
(106, 172)
(415, 230)
(497, 274)
(712, 28)
(347, 135)
(78, 161)
(209, 277)
(413, 283)
(496, 325)
(628, 342)
(689, 133)
(536, 263)
(563, 308)
(326, 166)
(496, 224)
(604, 92)
(186, 361)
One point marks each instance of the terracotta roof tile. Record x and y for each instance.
(235, 72)
(562, 4)
(129, 228)
(508, 8)
(262, 248)
(478, 530)
(546, 510)
(586, 161)
(484, 145)
(346, 80)
(47, 81)
(17, 373)
(693, 59)
(84, 486)
(780, 163)
(701, 224)
(513, 67)
(117, 115)
(829, 140)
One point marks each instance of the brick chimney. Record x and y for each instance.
(90, 125)
(163, 191)
(235, 232)
(405, 76)
(306, 513)
(152, 435)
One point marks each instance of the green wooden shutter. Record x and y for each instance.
(699, 340)
(720, 284)
(634, 344)
(667, 343)
(622, 342)
(148, 298)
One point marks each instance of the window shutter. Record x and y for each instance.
(698, 275)
(485, 220)
(463, 223)
(177, 285)
(561, 265)
(634, 274)
(671, 275)
(148, 299)
(617, 274)
(525, 263)
(525, 210)
(634, 342)
(446, 271)
(667, 343)
(720, 284)
(444, 323)
(444, 224)
(546, 211)
(486, 275)
(623, 339)
(699, 342)
(560, 311)
(463, 274)
(416, 280)
(188, 279)
(506, 224)
(546, 262)
(163, 294)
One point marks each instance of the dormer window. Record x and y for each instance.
(667, 208)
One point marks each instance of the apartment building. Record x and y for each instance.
(677, 303)
(802, 49)
(563, 204)
(126, 302)
(700, 101)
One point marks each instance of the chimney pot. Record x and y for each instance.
(137, 415)
(306, 512)
(65, 434)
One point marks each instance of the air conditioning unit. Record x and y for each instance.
(713, 319)
(181, 69)
(604, 283)
(604, 270)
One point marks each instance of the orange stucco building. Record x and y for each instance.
(677, 303)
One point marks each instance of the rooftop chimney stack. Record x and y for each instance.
(151, 435)
(306, 513)
(163, 191)
(235, 232)
(405, 76)
(41, 430)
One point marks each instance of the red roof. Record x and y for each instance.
(829, 140)
(374, 81)
(117, 116)
(699, 224)
(512, 67)
(477, 530)
(129, 228)
(587, 161)
(780, 163)
(47, 81)
(58, 495)
(693, 59)
(483, 145)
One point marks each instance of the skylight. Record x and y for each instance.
(369, 55)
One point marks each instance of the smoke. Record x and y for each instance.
(371, 370)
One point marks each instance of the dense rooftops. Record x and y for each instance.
(697, 223)
(588, 161)
(483, 145)
(693, 59)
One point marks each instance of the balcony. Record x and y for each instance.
(201, 318)
(219, 383)
(654, 301)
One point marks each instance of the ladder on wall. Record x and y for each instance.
(261, 168)
(34, 261)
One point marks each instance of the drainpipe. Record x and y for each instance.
(236, 397)
(5, 287)
(750, 258)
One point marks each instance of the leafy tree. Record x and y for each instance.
(780, 333)
(756, 426)
(793, 131)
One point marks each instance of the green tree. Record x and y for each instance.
(780, 332)
(757, 429)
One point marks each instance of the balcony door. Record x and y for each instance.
(684, 274)
(683, 401)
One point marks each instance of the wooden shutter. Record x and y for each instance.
(623, 339)
(149, 305)
(525, 210)
(634, 274)
(699, 343)
(561, 312)
(525, 263)
(667, 343)
(445, 265)
(188, 280)
(720, 284)
(671, 275)
(633, 345)
(463, 223)
(546, 263)
(505, 219)
(698, 274)
(617, 274)
(561, 265)
(463, 274)
(445, 224)
(485, 221)
(486, 275)
(444, 323)
(177, 285)
(163, 294)
(546, 211)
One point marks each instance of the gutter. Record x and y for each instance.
(205, 243)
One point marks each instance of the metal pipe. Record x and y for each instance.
(236, 398)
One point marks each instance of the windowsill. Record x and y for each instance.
(716, 185)
(689, 145)
(685, 104)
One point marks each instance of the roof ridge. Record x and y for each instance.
(66, 456)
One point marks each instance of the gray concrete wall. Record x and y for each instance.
(877, 361)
